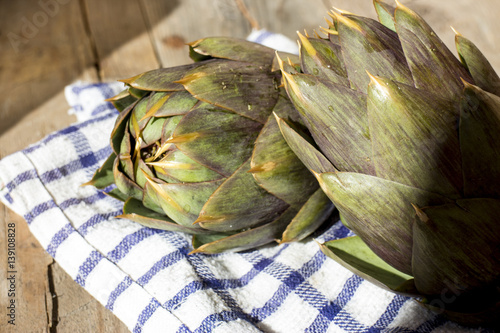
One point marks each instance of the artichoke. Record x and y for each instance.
(196, 149)
(407, 146)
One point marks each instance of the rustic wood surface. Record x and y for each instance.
(45, 45)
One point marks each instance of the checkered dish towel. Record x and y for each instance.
(146, 277)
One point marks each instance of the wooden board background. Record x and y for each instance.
(61, 41)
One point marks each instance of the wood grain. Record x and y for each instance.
(40, 55)
(121, 38)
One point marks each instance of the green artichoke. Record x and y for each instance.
(196, 149)
(407, 146)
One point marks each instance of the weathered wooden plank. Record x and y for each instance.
(43, 48)
(175, 23)
(28, 285)
(121, 38)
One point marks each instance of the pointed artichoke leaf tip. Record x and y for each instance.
(278, 119)
(195, 251)
(130, 81)
(318, 242)
(305, 33)
(280, 61)
(377, 81)
(135, 125)
(420, 213)
(316, 174)
(400, 6)
(163, 148)
(307, 45)
(285, 74)
(90, 182)
(117, 97)
(201, 249)
(183, 138)
(195, 43)
(137, 149)
(289, 81)
(161, 192)
(329, 31)
(348, 22)
(155, 107)
(468, 85)
(342, 11)
(457, 34)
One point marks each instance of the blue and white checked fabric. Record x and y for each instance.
(146, 277)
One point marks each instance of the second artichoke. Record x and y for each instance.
(409, 152)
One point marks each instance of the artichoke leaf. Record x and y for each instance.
(153, 131)
(276, 168)
(229, 208)
(162, 79)
(122, 101)
(479, 67)
(433, 66)
(367, 44)
(231, 85)
(309, 218)
(385, 14)
(247, 239)
(336, 117)
(126, 165)
(312, 158)
(142, 171)
(233, 49)
(480, 127)
(414, 137)
(124, 183)
(138, 120)
(217, 139)
(356, 256)
(292, 58)
(179, 166)
(379, 211)
(182, 202)
(135, 211)
(178, 103)
(117, 194)
(103, 177)
(121, 124)
(466, 236)
(322, 58)
(137, 93)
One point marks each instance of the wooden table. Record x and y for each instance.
(45, 45)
